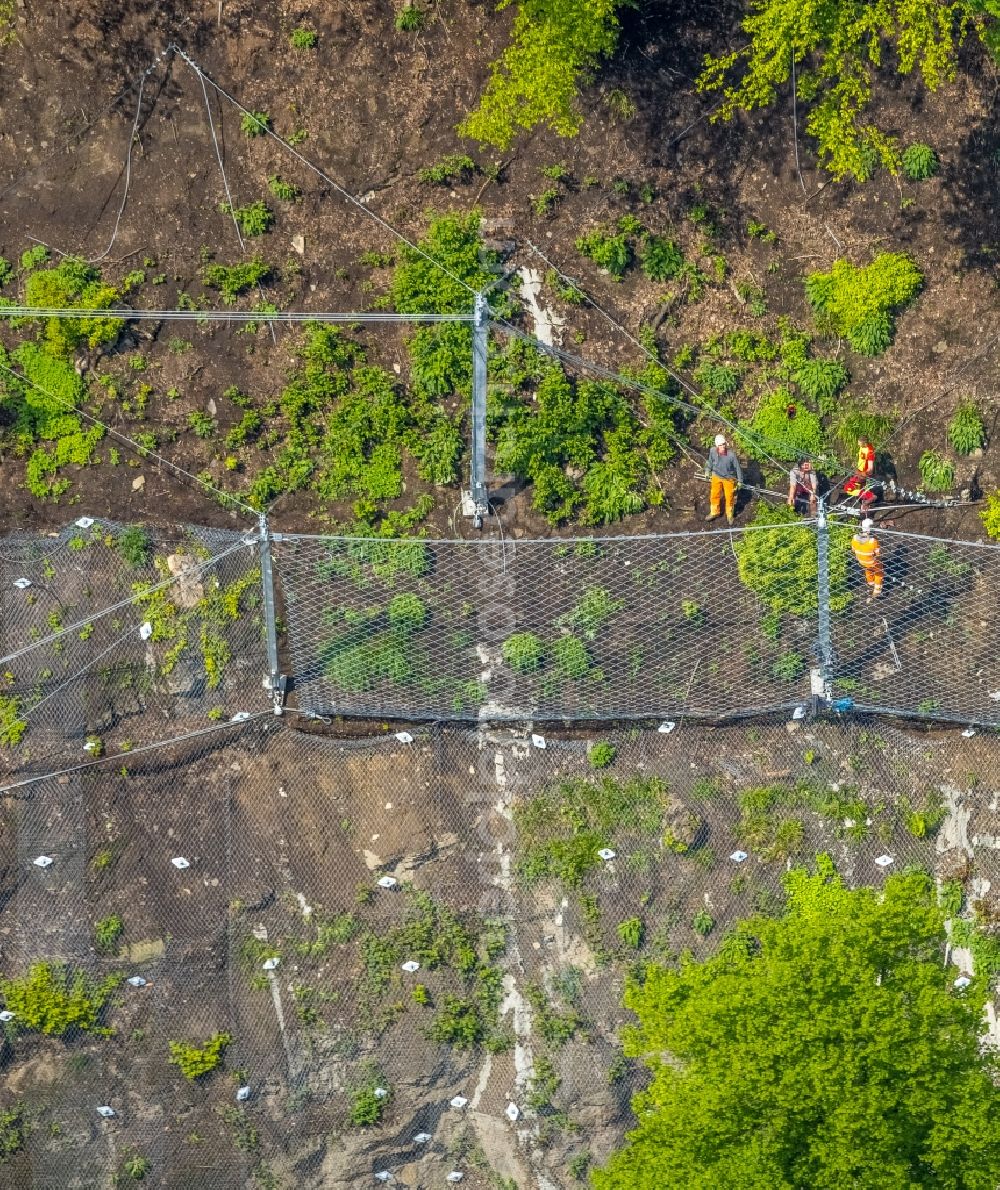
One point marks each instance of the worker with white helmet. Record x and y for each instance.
(723, 469)
(865, 545)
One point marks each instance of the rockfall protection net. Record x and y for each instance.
(705, 625)
(115, 637)
(522, 957)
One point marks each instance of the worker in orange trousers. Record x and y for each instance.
(865, 545)
(725, 472)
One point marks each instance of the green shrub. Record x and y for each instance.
(660, 258)
(233, 280)
(410, 19)
(455, 167)
(194, 1061)
(966, 431)
(592, 611)
(303, 39)
(73, 284)
(990, 516)
(457, 1022)
(789, 666)
(523, 652)
(135, 545)
(602, 754)
(255, 124)
(365, 1108)
(107, 933)
(561, 828)
(717, 380)
(860, 303)
(937, 474)
(254, 219)
(821, 379)
(778, 561)
(441, 356)
(774, 431)
(12, 726)
(703, 923)
(554, 46)
(12, 1131)
(282, 190)
(202, 425)
(54, 1000)
(920, 162)
(33, 257)
(6, 271)
(856, 421)
(608, 250)
(631, 932)
(570, 657)
(407, 611)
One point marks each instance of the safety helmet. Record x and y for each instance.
(720, 440)
(867, 525)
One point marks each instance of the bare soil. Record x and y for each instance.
(378, 105)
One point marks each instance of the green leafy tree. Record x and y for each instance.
(826, 1048)
(861, 303)
(556, 45)
(838, 47)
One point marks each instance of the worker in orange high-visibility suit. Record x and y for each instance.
(725, 472)
(866, 550)
(866, 458)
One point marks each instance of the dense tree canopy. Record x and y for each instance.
(837, 47)
(825, 1049)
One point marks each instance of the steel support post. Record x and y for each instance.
(274, 680)
(825, 642)
(478, 504)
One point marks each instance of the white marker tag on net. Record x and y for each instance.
(271, 964)
(107, 1112)
(23, 584)
(884, 861)
(383, 1175)
(136, 981)
(6, 1015)
(387, 882)
(42, 861)
(538, 741)
(968, 733)
(799, 713)
(240, 717)
(410, 966)
(242, 1094)
(963, 981)
(180, 863)
(667, 727)
(459, 1102)
(421, 1138)
(380, 1092)
(513, 1112)
(738, 857)
(456, 1175)
(607, 853)
(84, 522)
(145, 631)
(404, 737)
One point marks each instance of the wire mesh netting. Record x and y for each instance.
(320, 869)
(592, 629)
(114, 637)
(696, 624)
(927, 645)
